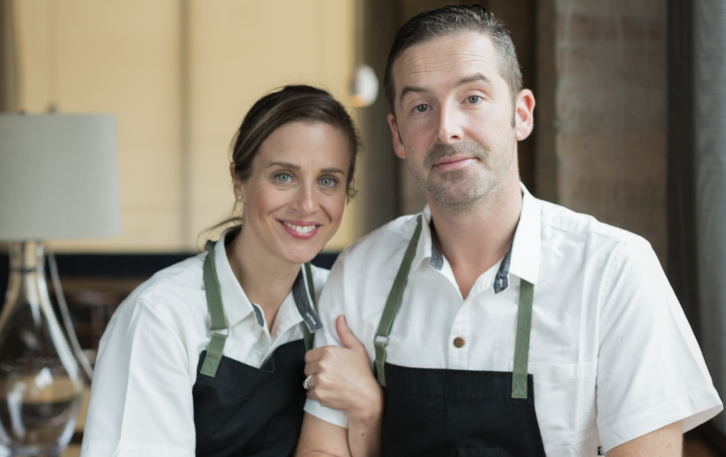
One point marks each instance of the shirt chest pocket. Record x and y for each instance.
(564, 396)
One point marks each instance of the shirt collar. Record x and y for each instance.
(523, 256)
(527, 240)
(426, 248)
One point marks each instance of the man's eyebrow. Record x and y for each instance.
(408, 89)
(473, 78)
(469, 79)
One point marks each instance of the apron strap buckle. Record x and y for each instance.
(380, 343)
(214, 354)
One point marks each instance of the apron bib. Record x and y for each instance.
(457, 413)
(240, 410)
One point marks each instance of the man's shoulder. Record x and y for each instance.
(382, 245)
(396, 233)
(561, 222)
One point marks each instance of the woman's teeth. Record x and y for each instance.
(300, 229)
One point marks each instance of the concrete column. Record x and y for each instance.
(602, 113)
(709, 45)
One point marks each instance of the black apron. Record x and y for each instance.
(457, 413)
(241, 410)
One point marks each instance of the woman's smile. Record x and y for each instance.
(299, 229)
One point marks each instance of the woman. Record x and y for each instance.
(207, 356)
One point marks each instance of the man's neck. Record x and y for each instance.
(475, 240)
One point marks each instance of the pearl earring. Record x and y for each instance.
(239, 197)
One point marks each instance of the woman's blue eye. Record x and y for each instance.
(421, 108)
(328, 182)
(283, 177)
(474, 99)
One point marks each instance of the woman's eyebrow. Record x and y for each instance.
(297, 167)
(332, 170)
(284, 165)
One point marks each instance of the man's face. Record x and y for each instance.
(455, 123)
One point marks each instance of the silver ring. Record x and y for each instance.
(306, 383)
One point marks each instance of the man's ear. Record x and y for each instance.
(524, 114)
(397, 144)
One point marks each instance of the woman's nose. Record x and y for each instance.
(305, 201)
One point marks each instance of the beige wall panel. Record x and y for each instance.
(126, 58)
(241, 50)
(147, 235)
(123, 58)
(33, 32)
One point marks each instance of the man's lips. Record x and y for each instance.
(453, 163)
(300, 229)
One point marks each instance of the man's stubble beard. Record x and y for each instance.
(457, 190)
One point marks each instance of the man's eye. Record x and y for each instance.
(474, 99)
(421, 108)
(328, 182)
(283, 177)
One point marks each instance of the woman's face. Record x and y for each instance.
(295, 195)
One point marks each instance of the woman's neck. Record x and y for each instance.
(265, 279)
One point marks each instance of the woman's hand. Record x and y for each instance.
(342, 378)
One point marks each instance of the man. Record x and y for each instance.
(499, 324)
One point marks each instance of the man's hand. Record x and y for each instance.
(664, 442)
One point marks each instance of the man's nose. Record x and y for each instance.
(449, 128)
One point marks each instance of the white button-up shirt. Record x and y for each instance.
(611, 352)
(141, 398)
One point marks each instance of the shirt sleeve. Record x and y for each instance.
(141, 398)
(329, 308)
(651, 372)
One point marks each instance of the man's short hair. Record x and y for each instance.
(451, 20)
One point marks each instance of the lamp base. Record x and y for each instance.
(57, 451)
(41, 388)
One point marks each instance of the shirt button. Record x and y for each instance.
(459, 342)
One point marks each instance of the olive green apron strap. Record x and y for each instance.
(393, 303)
(216, 313)
(308, 336)
(521, 345)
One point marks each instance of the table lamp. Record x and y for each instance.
(58, 179)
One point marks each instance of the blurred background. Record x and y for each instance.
(628, 123)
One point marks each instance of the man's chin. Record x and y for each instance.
(455, 198)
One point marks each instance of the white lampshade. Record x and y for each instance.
(58, 176)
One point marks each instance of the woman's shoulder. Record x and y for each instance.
(184, 276)
(176, 288)
(320, 275)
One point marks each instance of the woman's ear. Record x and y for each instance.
(236, 184)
